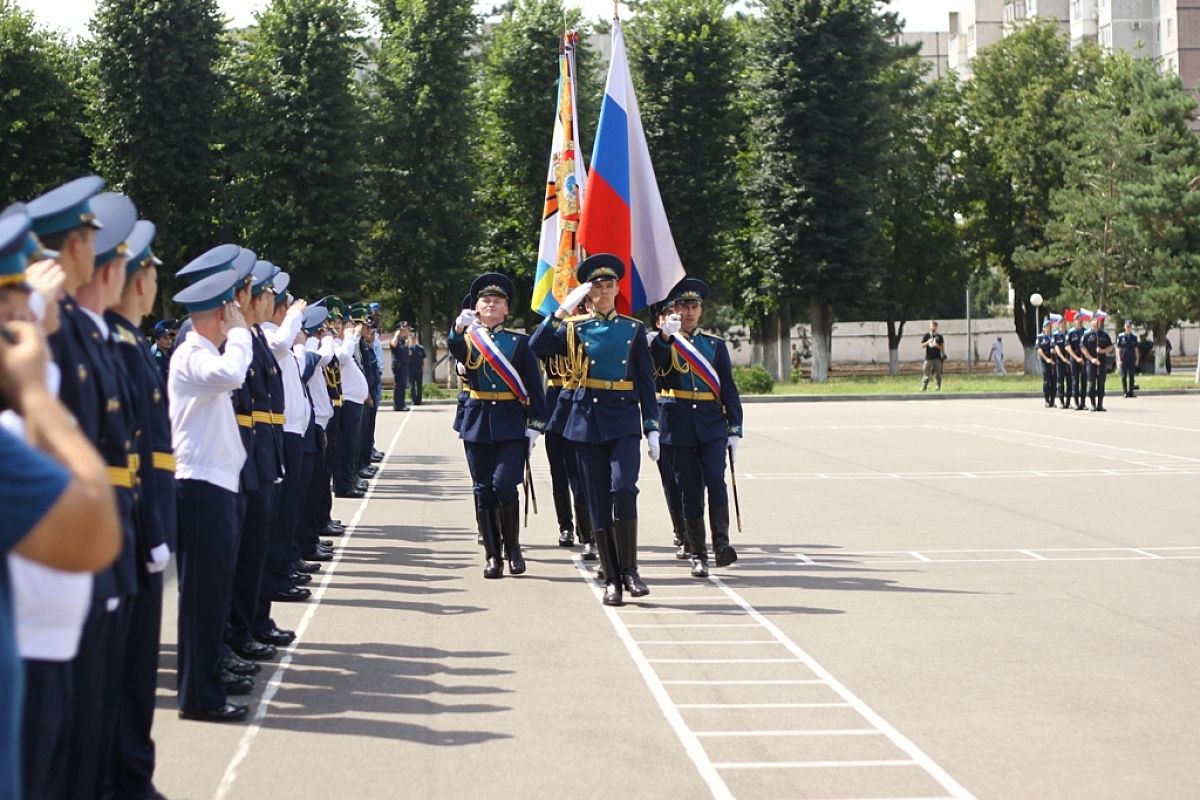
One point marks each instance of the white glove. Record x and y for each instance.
(532, 435)
(159, 557)
(652, 445)
(572, 301)
(467, 319)
(671, 326)
(734, 441)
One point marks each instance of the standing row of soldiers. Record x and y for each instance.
(607, 384)
(226, 461)
(1075, 359)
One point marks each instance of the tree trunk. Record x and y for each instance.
(820, 314)
(895, 332)
(770, 327)
(427, 336)
(785, 340)
(1033, 364)
(756, 343)
(1160, 349)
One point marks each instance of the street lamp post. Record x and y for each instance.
(1036, 301)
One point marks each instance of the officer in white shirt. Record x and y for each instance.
(354, 395)
(314, 355)
(209, 456)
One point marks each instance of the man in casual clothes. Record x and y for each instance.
(935, 353)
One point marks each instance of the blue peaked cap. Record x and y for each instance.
(14, 231)
(140, 254)
(66, 207)
(209, 292)
(218, 259)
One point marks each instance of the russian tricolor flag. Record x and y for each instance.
(624, 213)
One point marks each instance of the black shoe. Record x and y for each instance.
(634, 583)
(612, 595)
(1101, 409)
(376, 456)
(566, 537)
(300, 578)
(230, 712)
(277, 637)
(353, 494)
(362, 486)
(681, 552)
(333, 530)
(255, 651)
(293, 595)
(306, 566)
(516, 562)
(725, 556)
(589, 552)
(319, 555)
(236, 684)
(240, 666)
(494, 568)
(699, 568)
(366, 473)
(326, 543)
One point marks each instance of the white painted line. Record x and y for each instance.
(260, 713)
(1032, 554)
(817, 733)
(1146, 553)
(689, 599)
(919, 757)
(652, 610)
(762, 705)
(722, 660)
(743, 683)
(712, 641)
(692, 625)
(803, 559)
(814, 764)
(918, 556)
(691, 744)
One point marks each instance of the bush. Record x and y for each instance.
(753, 380)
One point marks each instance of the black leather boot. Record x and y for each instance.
(626, 535)
(612, 583)
(583, 532)
(679, 527)
(510, 529)
(489, 524)
(699, 546)
(478, 527)
(718, 517)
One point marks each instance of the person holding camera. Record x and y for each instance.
(400, 358)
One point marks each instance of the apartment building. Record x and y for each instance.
(977, 24)
(935, 51)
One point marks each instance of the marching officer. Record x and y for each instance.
(1059, 343)
(570, 508)
(614, 379)
(666, 473)
(1045, 350)
(504, 414)
(1096, 345)
(1129, 358)
(1078, 362)
(702, 416)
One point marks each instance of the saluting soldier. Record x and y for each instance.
(209, 456)
(614, 380)
(1078, 362)
(131, 773)
(317, 351)
(1129, 358)
(1096, 345)
(1045, 351)
(666, 473)
(503, 416)
(92, 388)
(570, 505)
(1059, 341)
(702, 416)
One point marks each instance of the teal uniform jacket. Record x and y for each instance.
(486, 420)
(612, 367)
(688, 419)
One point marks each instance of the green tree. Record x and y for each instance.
(1017, 123)
(685, 57)
(42, 108)
(421, 166)
(822, 127)
(921, 264)
(517, 89)
(295, 166)
(155, 114)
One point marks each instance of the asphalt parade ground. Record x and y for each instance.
(954, 599)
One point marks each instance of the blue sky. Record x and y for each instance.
(73, 15)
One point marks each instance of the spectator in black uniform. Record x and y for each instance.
(416, 371)
(400, 355)
(1129, 358)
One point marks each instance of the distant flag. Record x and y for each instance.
(624, 212)
(566, 179)
(1084, 315)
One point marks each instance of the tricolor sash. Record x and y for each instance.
(700, 365)
(498, 361)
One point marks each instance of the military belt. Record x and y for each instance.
(684, 394)
(245, 420)
(494, 396)
(120, 477)
(556, 383)
(164, 461)
(613, 386)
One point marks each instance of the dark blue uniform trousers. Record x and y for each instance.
(49, 688)
(283, 531)
(317, 499)
(208, 524)
(400, 374)
(563, 478)
(610, 475)
(496, 469)
(367, 442)
(97, 670)
(666, 474)
(698, 469)
(1064, 383)
(345, 478)
(1078, 382)
(249, 574)
(132, 771)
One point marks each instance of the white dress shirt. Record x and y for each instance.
(322, 405)
(354, 383)
(204, 430)
(296, 411)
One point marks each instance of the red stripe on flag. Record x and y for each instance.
(605, 225)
